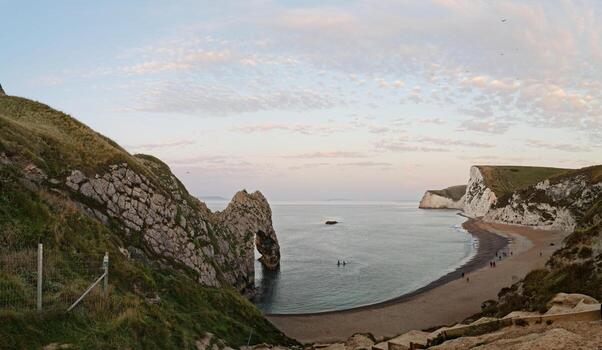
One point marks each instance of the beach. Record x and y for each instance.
(447, 300)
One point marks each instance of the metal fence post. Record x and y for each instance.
(40, 265)
(105, 267)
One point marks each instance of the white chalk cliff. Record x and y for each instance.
(551, 204)
(440, 200)
(478, 198)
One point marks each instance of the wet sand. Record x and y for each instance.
(444, 301)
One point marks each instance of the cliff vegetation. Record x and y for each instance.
(176, 269)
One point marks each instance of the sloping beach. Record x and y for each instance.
(447, 300)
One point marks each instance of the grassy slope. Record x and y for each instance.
(575, 268)
(52, 140)
(55, 142)
(453, 192)
(507, 179)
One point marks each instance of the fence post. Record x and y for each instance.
(105, 267)
(40, 265)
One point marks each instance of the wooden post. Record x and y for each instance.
(105, 267)
(40, 266)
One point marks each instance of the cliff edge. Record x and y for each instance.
(80, 194)
(138, 196)
(448, 198)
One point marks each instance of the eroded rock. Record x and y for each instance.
(174, 225)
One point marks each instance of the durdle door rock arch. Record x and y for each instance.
(149, 202)
(156, 220)
(250, 212)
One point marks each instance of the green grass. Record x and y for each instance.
(507, 179)
(453, 192)
(58, 143)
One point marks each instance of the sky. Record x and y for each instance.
(315, 100)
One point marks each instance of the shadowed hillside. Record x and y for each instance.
(175, 270)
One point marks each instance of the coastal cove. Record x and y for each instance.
(389, 249)
(447, 302)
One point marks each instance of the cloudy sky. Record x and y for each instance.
(303, 100)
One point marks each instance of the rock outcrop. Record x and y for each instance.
(553, 204)
(147, 202)
(175, 226)
(521, 196)
(449, 198)
(80, 194)
(2, 93)
(251, 213)
(479, 197)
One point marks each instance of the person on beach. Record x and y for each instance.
(338, 262)
(344, 263)
(467, 279)
(462, 274)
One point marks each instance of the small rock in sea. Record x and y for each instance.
(331, 222)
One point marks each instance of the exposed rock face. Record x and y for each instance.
(176, 227)
(434, 200)
(478, 198)
(2, 93)
(552, 206)
(250, 214)
(563, 302)
(566, 336)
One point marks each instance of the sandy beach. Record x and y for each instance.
(448, 300)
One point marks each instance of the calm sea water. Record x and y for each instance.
(390, 248)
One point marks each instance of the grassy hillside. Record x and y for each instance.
(507, 179)
(53, 140)
(575, 268)
(453, 192)
(151, 305)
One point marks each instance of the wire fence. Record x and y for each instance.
(63, 280)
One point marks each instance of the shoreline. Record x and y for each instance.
(489, 244)
(451, 300)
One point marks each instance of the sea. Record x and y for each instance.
(388, 248)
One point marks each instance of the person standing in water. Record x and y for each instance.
(338, 262)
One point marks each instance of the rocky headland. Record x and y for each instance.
(81, 194)
(546, 198)
(448, 198)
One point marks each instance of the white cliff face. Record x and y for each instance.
(432, 200)
(539, 215)
(549, 206)
(478, 198)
